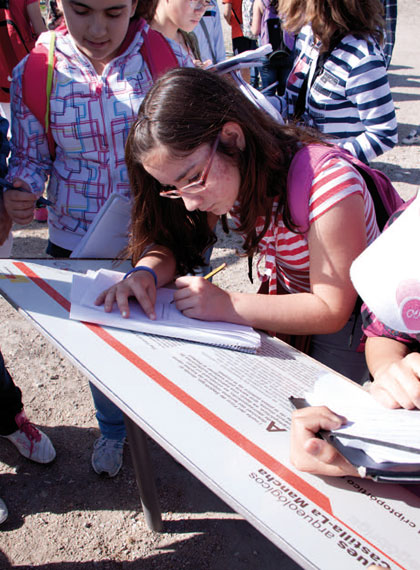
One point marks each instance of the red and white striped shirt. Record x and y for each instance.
(286, 254)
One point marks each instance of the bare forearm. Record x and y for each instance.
(37, 22)
(300, 313)
(381, 352)
(162, 261)
(5, 221)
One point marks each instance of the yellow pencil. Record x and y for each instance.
(209, 275)
(215, 271)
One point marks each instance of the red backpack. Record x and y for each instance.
(39, 70)
(301, 173)
(15, 44)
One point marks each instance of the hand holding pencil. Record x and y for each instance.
(198, 298)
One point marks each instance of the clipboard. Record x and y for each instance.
(386, 472)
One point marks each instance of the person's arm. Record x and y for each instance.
(5, 222)
(30, 161)
(227, 12)
(256, 18)
(369, 90)
(20, 204)
(141, 284)
(34, 13)
(314, 455)
(395, 371)
(324, 310)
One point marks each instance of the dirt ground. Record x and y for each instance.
(65, 517)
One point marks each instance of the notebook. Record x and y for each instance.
(107, 235)
(244, 60)
(169, 322)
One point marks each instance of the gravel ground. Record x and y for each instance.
(63, 516)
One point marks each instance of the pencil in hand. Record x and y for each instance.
(215, 271)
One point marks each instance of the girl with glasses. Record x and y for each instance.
(200, 150)
(176, 20)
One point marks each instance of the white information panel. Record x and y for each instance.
(225, 416)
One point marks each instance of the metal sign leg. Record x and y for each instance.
(144, 475)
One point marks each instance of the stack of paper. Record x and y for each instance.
(169, 322)
(246, 59)
(388, 437)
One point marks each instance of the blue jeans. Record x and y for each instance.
(110, 417)
(270, 74)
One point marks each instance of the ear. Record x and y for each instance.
(233, 135)
(133, 8)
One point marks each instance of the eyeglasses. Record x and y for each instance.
(195, 187)
(200, 4)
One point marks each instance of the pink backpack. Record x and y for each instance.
(39, 71)
(301, 173)
(15, 44)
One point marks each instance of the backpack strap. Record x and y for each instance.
(37, 85)
(156, 50)
(39, 73)
(208, 39)
(302, 171)
(158, 54)
(299, 182)
(236, 17)
(300, 104)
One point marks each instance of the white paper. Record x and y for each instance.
(169, 321)
(380, 453)
(387, 274)
(368, 419)
(260, 100)
(249, 58)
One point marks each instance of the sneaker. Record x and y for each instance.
(3, 511)
(413, 137)
(107, 456)
(31, 442)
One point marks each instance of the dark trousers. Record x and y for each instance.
(10, 401)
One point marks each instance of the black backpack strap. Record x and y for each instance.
(236, 17)
(322, 58)
(382, 215)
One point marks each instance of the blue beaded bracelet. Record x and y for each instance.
(142, 268)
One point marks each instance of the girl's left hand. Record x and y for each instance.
(311, 454)
(197, 298)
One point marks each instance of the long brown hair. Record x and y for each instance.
(328, 18)
(145, 9)
(187, 108)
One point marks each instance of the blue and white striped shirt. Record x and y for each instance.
(350, 100)
(390, 15)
